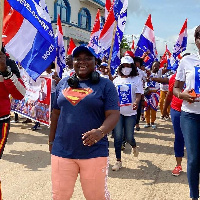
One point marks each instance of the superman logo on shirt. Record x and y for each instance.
(74, 96)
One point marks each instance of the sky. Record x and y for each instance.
(167, 16)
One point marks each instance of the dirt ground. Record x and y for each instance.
(25, 167)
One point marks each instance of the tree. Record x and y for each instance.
(124, 46)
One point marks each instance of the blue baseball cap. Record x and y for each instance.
(83, 48)
(104, 64)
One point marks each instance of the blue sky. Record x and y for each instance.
(168, 17)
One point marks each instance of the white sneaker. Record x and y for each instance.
(167, 119)
(153, 126)
(117, 166)
(146, 125)
(135, 152)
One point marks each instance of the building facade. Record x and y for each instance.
(77, 17)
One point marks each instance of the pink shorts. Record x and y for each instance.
(93, 177)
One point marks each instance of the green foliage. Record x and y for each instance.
(124, 44)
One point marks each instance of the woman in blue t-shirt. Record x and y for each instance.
(84, 111)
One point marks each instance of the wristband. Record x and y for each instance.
(101, 132)
(50, 143)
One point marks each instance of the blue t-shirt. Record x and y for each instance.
(81, 110)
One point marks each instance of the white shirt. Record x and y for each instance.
(153, 85)
(142, 74)
(165, 86)
(186, 72)
(127, 89)
(104, 76)
(67, 72)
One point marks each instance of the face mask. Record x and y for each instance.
(126, 71)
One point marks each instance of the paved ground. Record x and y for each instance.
(25, 167)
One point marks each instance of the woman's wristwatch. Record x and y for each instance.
(7, 73)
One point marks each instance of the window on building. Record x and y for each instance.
(84, 19)
(63, 9)
(102, 21)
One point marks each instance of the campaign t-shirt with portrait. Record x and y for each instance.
(189, 71)
(82, 109)
(127, 89)
(153, 85)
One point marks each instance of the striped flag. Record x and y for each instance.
(120, 12)
(107, 8)
(165, 57)
(181, 42)
(147, 43)
(133, 46)
(106, 35)
(29, 35)
(94, 37)
(60, 49)
(71, 46)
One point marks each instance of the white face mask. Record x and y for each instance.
(126, 71)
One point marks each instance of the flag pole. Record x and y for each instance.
(112, 44)
(1, 19)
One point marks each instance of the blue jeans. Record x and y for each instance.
(179, 140)
(190, 126)
(125, 126)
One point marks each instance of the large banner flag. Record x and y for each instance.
(181, 43)
(29, 35)
(120, 12)
(107, 8)
(36, 103)
(60, 49)
(147, 43)
(94, 37)
(119, 17)
(71, 46)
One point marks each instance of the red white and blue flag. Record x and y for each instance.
(106, 34)
(118, 15)
(107, 8)
(120, 12)
(60, 49)
(147, 43)
(165, 57)
(29, 35)
(181, 43)
(133, 46)
(71, 46)
(94, 37)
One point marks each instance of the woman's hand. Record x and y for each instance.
(50, 148)
(135, 106)
(188, 96)
(91, 137)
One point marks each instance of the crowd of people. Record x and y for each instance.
(89, 102)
